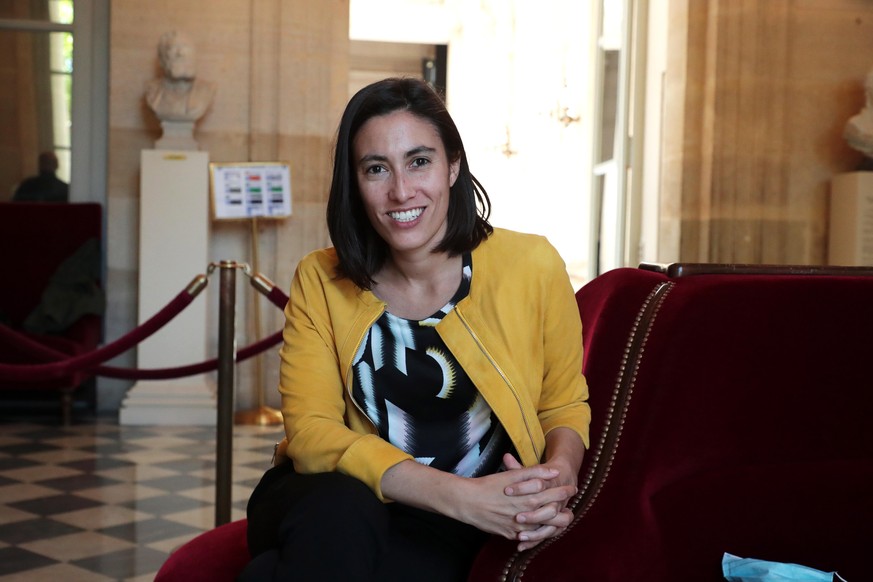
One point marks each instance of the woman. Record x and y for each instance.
(431, 369)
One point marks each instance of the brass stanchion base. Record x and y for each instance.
(262, 416)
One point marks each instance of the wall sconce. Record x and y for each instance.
(565, 118)
(563, 112)
(507, 145)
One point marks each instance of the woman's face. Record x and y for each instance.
(404, 177)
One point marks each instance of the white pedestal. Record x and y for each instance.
(173, 249)
(177, 135)
(851, 220)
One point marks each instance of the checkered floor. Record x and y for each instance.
(97, 501)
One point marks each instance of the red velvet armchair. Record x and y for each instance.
(36, 238)
(731, 413)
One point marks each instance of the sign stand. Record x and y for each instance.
(249, 191)
(262, 415)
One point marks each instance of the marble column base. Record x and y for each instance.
(177, 402)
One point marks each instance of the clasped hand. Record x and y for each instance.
(528, 504)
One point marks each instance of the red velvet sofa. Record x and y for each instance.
(732, 412)
(36, 238)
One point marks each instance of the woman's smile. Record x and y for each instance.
(406, 216)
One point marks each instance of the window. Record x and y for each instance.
(55, 92)
(61, 74)
(620, 87)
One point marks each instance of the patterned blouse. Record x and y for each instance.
(421, 400)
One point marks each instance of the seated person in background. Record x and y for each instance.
(431, 373)
(45, 187)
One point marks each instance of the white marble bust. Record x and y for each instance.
(859, 129)
(178, 96)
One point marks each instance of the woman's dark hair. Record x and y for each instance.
(361, 251)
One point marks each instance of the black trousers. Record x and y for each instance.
(329, 526)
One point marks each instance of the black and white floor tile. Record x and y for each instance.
(97, 501)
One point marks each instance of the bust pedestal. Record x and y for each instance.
(177, 135)
(173, 247)
(851, 220)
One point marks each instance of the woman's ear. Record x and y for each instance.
(454, 170)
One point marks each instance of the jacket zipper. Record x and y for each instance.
(505, 380)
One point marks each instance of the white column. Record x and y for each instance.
(173, 249)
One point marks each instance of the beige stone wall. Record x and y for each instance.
(281, 68)
(756, 97)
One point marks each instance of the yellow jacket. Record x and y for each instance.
(517, 335)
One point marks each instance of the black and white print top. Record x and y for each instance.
(421, 400)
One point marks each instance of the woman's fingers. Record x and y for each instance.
(531, 538)
(510, 462)
(531, 499)
(527, 487)
(539, 534)
(484, 503)
(551, 514)
(537, 493)
(529, 480)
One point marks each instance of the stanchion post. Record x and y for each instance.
(224, 424)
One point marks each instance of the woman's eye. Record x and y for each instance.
(419, 162)
(375, 170)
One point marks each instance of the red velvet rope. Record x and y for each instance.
(61, 368)
(278, 297)
(39, 350)
(29, 345)
(60, 364)
(189, 370)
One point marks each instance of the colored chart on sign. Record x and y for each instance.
(250, 190)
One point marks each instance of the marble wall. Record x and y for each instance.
(281, 69)
(756, 95)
